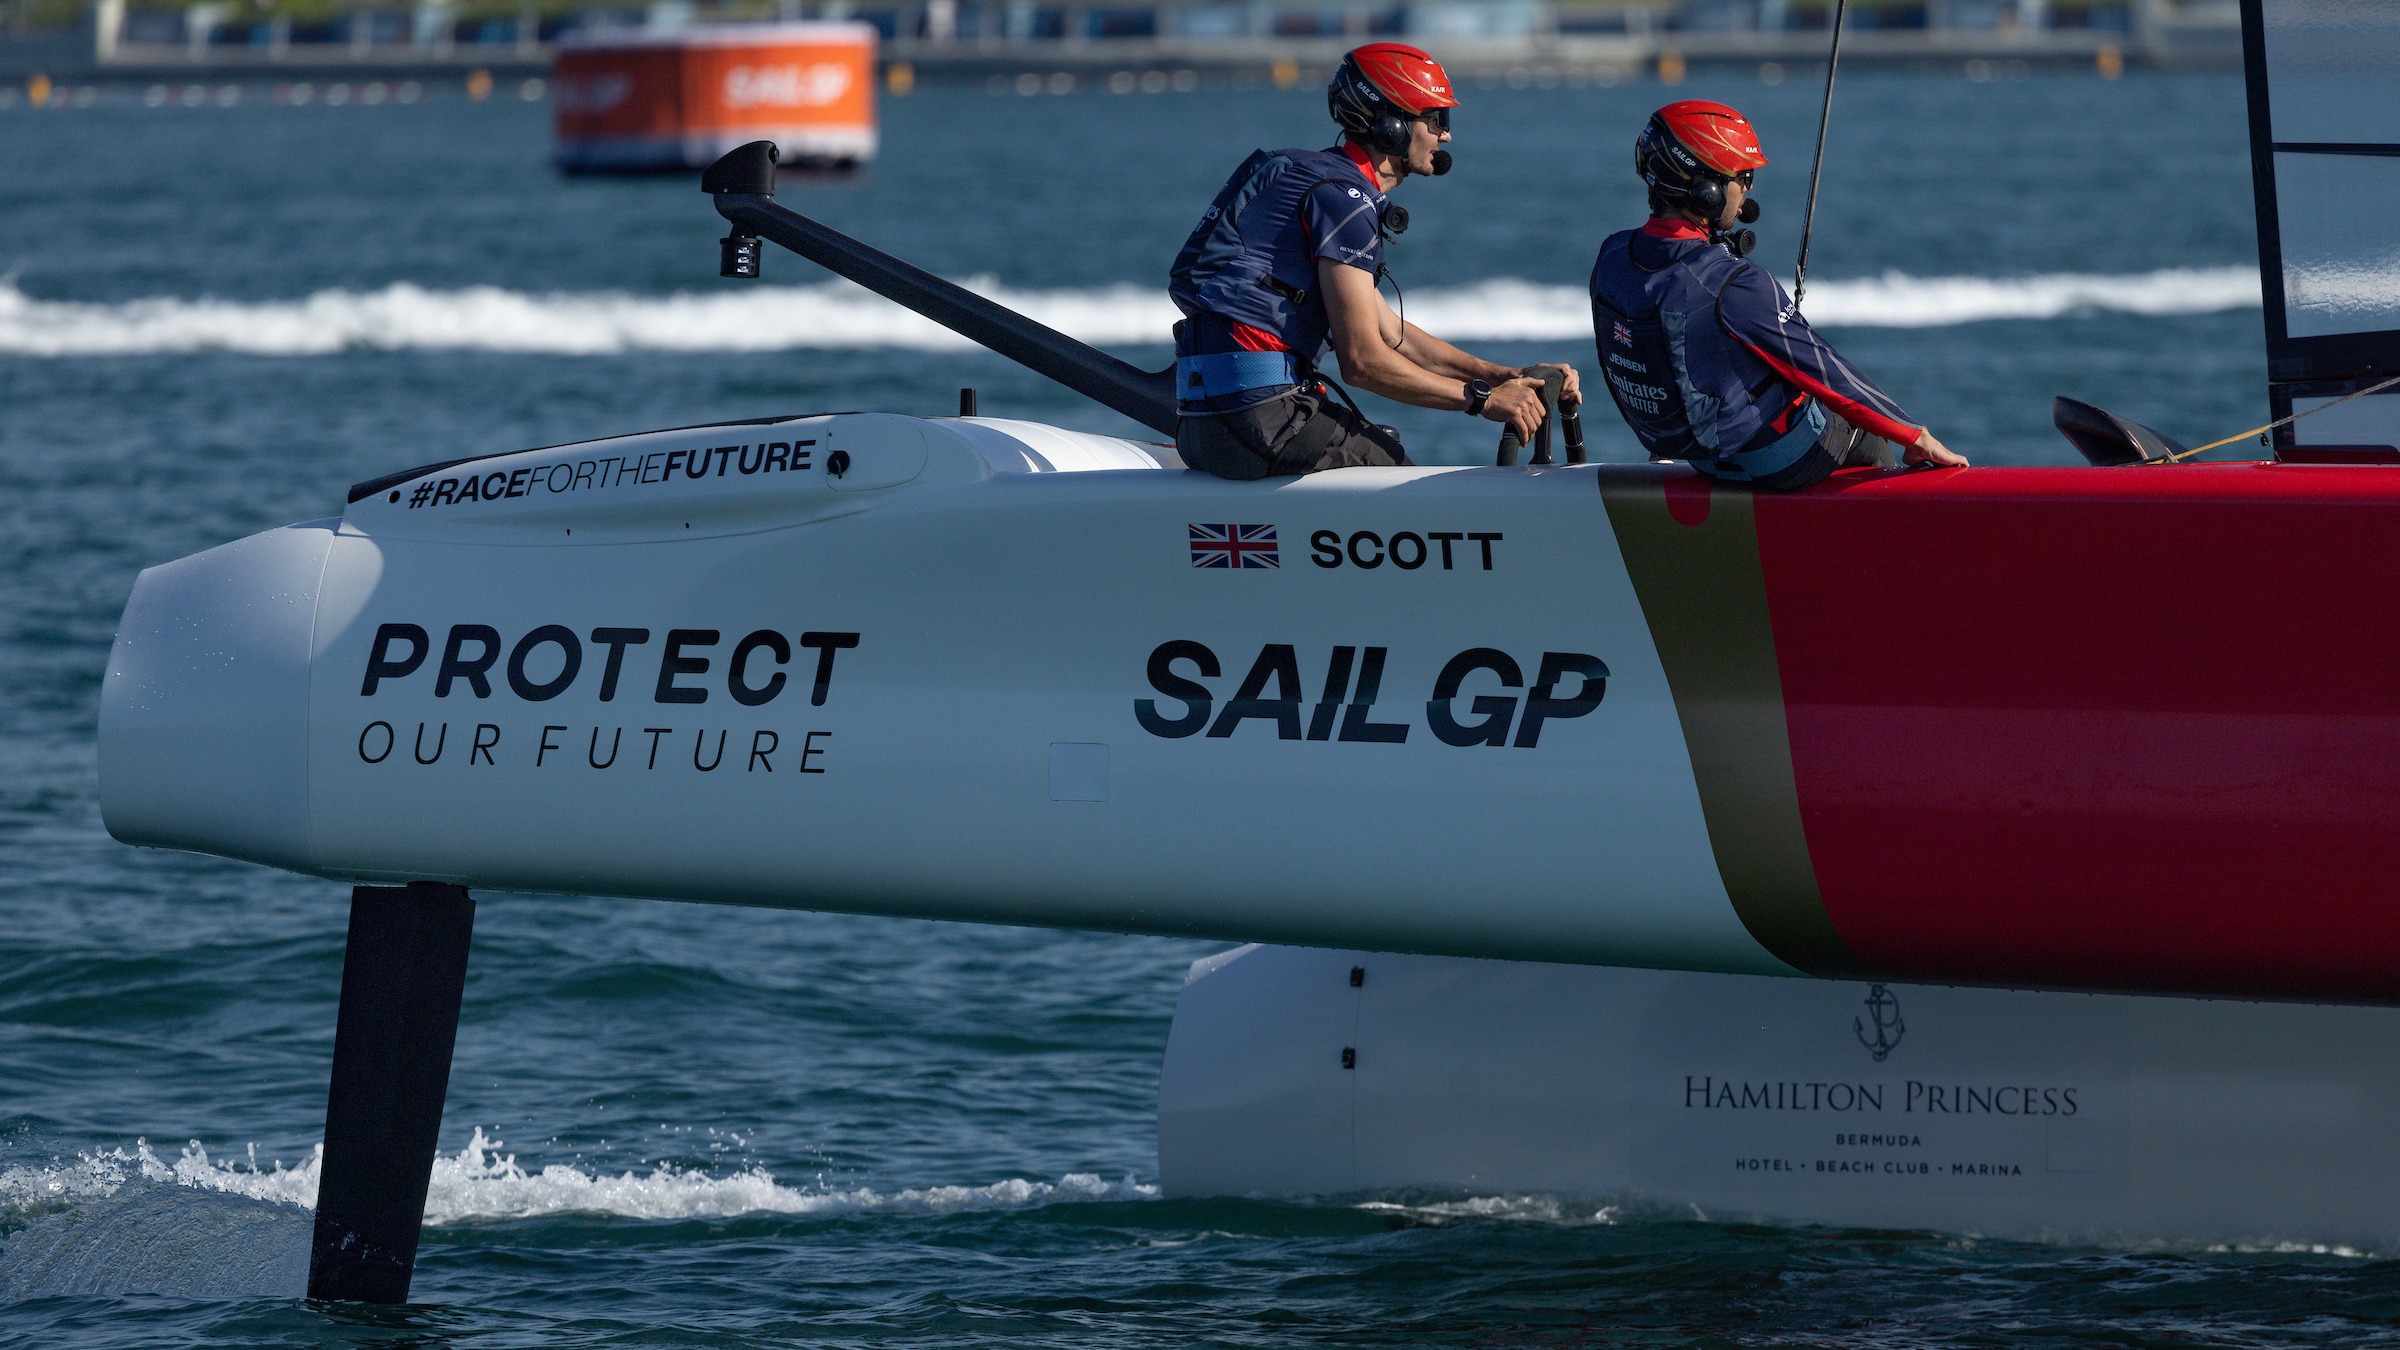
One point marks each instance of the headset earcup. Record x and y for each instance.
(1709, 198)
(1391, 134)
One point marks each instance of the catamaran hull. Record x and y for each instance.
(2091, 729)
(2009, 1114)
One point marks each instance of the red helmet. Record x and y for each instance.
(1382, 85)
(1694, 145)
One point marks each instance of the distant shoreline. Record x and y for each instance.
(1548, 42)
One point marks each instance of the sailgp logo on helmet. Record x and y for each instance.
(1380, 87)
(1688, 150)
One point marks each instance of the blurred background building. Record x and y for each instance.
(1278, 39)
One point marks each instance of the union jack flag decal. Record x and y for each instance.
(1234, 546)
(1623, 334)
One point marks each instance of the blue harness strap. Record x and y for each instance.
(1223, 374)
(1773, 457)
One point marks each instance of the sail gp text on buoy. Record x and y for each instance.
(638, 99)
(794, 86)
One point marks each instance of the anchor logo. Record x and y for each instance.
(1883, 1011)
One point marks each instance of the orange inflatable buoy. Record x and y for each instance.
(635, 101)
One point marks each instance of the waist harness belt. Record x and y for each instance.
(1773, 457)
(1223, 374)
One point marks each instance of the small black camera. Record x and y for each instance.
(737, 256)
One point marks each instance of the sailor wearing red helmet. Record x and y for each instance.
(1284, 265)
(1704, 353)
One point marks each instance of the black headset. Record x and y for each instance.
(1708, 198)
(1388, 133)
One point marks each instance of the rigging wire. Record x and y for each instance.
(2284, 421)
(1808, 223)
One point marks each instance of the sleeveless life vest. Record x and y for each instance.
(1249, 261)
(1690, 389)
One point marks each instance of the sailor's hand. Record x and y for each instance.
(1572, 391)
(1930, 450)
(1517, 403)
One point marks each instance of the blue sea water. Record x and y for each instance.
(685, 1125)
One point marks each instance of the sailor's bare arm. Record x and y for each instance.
(1364, 334)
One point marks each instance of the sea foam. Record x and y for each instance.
(837, 315)
(126, 1221)
(482, 1182)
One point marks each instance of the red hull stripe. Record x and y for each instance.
(2113, 729)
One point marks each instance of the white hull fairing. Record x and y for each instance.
(953, 681)
(2008, 1114)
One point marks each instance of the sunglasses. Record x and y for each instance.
(1437, 118)
(1743, 178)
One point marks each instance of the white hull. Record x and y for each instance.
(2008, 1114)
(934, 685)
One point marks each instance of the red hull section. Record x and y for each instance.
(2108, 729)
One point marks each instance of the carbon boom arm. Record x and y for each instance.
(743, 184)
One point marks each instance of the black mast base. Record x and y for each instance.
(402, 977)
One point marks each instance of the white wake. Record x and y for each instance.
(833, 315)
(128, 1221)
(481, 1181)
(122, 1222)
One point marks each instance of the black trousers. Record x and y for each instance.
(1843, 446)
(1294, 434)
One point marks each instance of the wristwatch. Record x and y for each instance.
(1477, 392)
